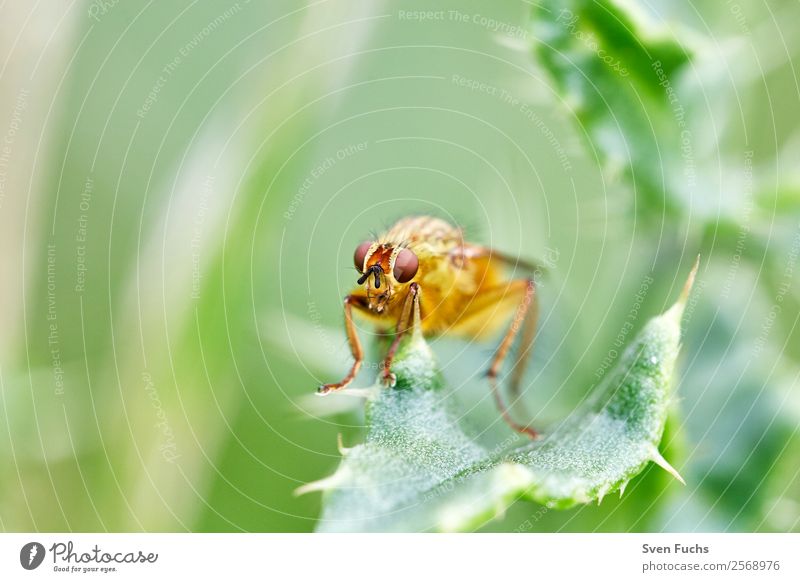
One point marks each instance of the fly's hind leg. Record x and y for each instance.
(355, 345)
(526, 316)
(522, 293)
(409, 319)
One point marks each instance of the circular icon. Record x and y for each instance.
(31, 555)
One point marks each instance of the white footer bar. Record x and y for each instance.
(389, 557)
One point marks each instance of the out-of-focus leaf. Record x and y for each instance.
(618, 76)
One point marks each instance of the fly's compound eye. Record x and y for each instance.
(405, 266)
(360, 255)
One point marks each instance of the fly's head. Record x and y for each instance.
(386, 271)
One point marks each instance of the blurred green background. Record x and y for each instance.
(182, 185)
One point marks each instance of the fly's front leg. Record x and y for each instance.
(355, 345)
(409, 317)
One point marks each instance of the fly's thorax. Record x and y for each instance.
(439, 236)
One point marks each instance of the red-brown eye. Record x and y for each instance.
(360, 255)
(405, 266)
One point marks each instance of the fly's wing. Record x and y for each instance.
(472, 251)
(489, 297)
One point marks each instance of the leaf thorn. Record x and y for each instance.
(687, 287)
(601, 494)
(343, 450)
(357, 392)
(329, 482)
(659, 460)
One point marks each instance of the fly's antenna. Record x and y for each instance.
(365, 276)
(374, 270)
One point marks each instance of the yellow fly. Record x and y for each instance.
(423, 265)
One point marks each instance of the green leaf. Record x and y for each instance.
(619, 77)
(420, 470)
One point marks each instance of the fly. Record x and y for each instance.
(422, 265)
